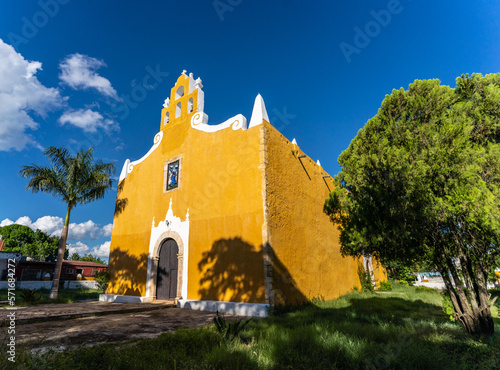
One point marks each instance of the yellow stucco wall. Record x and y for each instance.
(257, 226)
(306, 259)
(221, 184)
(379, 272)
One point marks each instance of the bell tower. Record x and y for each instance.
(186, 98)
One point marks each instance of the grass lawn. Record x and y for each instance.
(64, 296)
(402, 329)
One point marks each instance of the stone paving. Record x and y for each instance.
(44, 312)
(73, 325)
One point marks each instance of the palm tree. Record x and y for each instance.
(75, 180)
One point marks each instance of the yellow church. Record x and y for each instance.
(225, 217)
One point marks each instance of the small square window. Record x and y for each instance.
(173, 175)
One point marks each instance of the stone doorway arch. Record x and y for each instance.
(155, 263)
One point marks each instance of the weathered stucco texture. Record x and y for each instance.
(304, 244)
(257, 231)
(220, 183)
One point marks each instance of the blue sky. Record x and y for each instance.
(79, 73)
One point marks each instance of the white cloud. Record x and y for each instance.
(26, 221)
(102, 250)
(78, 247)
(88, 120)
(53, 225)
(49, 224)
(20, 94)
(106, 230)
(6, 222)
(78, 72)
(83, 230)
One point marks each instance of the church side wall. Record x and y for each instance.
(304, 245)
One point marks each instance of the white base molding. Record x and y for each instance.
(116, 298)
(232, 308)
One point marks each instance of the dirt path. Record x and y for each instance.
(87, 331)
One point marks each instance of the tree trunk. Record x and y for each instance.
(478, 321)
(484, 315)
(60, 256)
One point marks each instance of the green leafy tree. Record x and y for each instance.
(75, 180)
(91, 258)
(20, 238)
(420, 184)
(88, 257)
(75, 257)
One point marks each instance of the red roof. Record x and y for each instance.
(83, 263)
(66, 263)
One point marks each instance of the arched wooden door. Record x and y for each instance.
(166, 283)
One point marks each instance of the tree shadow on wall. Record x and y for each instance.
(285, 288)
(127, 273)
(121, 203)
(233, 270)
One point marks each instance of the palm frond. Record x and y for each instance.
(74, 179)
(43, 179)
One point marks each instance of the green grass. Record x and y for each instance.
(64, 296)
(402, 329)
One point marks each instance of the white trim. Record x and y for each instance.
(200, 119)
(259, 112)
(171, 223)
(117, 298)
(231, 308)
(128, 167)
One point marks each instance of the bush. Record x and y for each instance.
(365, 279)
(102, 278)
(448, 308)
(385, 286)
(425, 289)
(31, 296)
(229, 331)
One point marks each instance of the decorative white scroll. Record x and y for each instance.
(129, 166)
(199, 122)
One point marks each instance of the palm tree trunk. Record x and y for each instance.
(60, 256)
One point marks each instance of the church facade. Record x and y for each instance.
(224, 217)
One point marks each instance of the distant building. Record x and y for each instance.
(35, 270)
(225, 217)
(4, 262)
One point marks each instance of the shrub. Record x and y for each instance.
(448, 308)
(425, 289)
(31, 296)
(365, 279)
(102, 278)
(385, 286)
(229, 331)
(317, 299)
